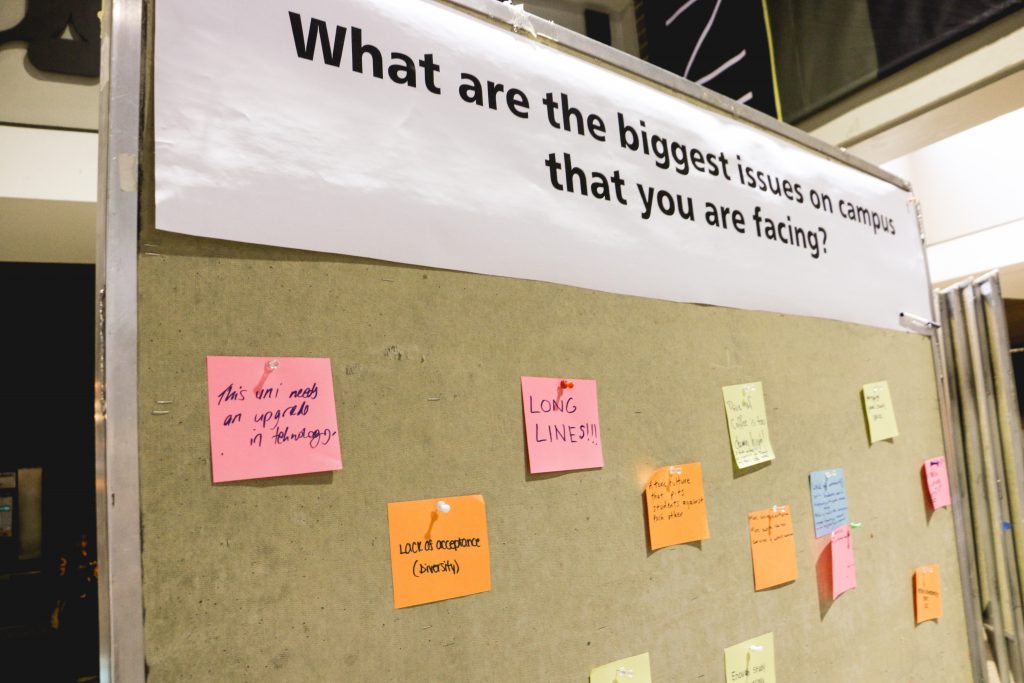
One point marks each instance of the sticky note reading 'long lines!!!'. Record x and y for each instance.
(439, 549)
(271, 417)
(748, 424)
(879, 412)
(562, 429)
(772, 548)
(675, 506)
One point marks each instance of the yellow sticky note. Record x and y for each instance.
(752, 661)
(772, 547)
(439, 549)
(878, 408)
(675, 506)
(635, 669)
(927, 593)
(748, 424)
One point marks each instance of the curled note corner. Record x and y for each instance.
(522, 21)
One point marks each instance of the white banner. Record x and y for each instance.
(408, 131)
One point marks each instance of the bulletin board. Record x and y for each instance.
(288, 579)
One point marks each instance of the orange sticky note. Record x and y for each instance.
(271, 417)
(675, 506)
(439, 549)
(927, 593)
(772, 547)
(562, 429)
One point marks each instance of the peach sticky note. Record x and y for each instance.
(879, 411)
(439, 549)
(748, 424)
(629, 670)
(844, 569)
(927, 593)
(562, 429)
(271, 417)
(772, 547)
(675, 506)
(752, 661)
(938, 481)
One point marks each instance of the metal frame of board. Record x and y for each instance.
(122, 654)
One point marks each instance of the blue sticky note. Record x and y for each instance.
(828, 500)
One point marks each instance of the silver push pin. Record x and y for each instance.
(443, 507)
(624, 671)
(273, 365)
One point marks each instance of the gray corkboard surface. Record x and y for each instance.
(289, 579)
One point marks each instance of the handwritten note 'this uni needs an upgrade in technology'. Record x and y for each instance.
(748, 424)
(828, 501)
(844, 568)
(675, 506)
(271, 417)
(938, 482)
(635, 669)
(752, 661)
(927, 593)
(439, 549)
(562, 428)
(772, 547)
(878, 409)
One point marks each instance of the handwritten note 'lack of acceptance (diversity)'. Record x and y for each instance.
(271, 417)
(844, 568)
(879, 411)
(938, 482)
(772, 547)
(748, 424)
(752, 661)
(439, 549)
(828, 500)
(676, 512)
(562, 428)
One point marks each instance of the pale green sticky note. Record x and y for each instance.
(635, 669)
(752, 661)
(748, 424)
(878, 408)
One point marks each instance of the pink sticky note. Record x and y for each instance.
(562, 430)
(268, 421)
(938, 481)
(844, 569)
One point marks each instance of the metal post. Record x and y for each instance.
(980, 514)
(949, 405)
(119, 542)
(1009, 589)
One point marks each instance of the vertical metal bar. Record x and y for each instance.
(949, 400)
(1009, 588)
(1007, 424)
(983, 533)
(119, 542)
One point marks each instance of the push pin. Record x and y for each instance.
(443, 507)
(566, 384)
(756, 648)
(672, 469)
(273, 365)
(627, 672)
